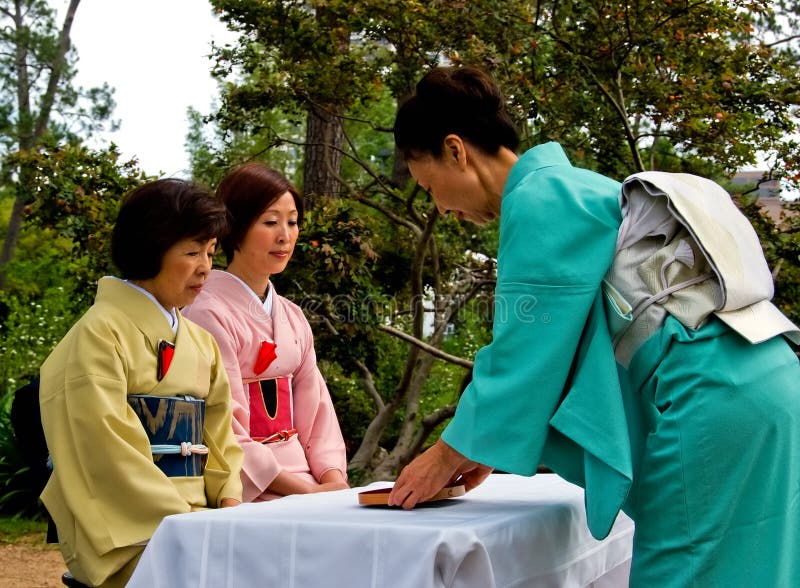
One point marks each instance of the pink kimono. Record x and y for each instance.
(283, 416)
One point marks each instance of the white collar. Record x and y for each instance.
(170, 315)
(267, 302)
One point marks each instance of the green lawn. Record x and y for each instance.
(13, 528)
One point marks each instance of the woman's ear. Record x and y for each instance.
(455, 150)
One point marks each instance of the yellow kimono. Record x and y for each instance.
(106, 495)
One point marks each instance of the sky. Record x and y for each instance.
(155, 54)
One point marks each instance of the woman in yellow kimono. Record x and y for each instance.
(634, 351)
(110, 487)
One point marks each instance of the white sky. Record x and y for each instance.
(155, 54)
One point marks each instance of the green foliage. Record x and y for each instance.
(62, 251)
(330, 277)
(43, 260)
(368, 140)
(78, 195)
(292, 53)
(607, 79)
(30, 329)
(354, 409)
(214, 149)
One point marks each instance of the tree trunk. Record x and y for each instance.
(323, 153)
(28, 135)
(324, 133)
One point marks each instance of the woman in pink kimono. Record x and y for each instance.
(283, 416)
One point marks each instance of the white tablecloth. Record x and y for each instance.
(511, 531)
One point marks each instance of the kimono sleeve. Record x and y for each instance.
(315, 416)
(222, 469)
(260, 467)
(557, 239)
(101, 453)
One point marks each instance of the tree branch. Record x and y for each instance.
(781, 41)
(425, 347)
(429, 423)
(55, 75)
(369, 383)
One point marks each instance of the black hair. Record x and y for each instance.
(247, 191)
(155, 216)
(463, 101)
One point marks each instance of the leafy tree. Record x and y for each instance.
(78, 196)
(64, 250)
(214, 149)
(609, 79)
(624, 86)
(38, 103)
(295, 56)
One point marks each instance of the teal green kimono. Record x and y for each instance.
(698, 441)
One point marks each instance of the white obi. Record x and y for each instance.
(685, 249)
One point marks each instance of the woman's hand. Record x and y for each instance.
(332, 480)
(432, 471)
(286, 483)
(226, 502)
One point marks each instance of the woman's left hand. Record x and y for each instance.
(332, 480)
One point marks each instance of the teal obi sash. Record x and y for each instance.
(174, 425)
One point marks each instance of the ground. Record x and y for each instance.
(30, 563)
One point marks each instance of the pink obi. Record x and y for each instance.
(271, 411)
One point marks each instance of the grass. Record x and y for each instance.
(15, 529)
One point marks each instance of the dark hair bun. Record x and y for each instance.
(465, 89)
(463, 101)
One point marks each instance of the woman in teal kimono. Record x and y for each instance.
(685, 416)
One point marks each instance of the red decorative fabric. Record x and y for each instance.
(165, 352)
(266, 355)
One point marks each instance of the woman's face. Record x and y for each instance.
(184, 269)
(269, 243)
(455, 187)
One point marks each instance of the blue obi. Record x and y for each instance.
(174, 425)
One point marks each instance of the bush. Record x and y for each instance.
(30, 331)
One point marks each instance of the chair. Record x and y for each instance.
(68, 580)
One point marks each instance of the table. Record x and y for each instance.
(511, 531)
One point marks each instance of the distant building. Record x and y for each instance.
(768, 189)
(769, 192)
